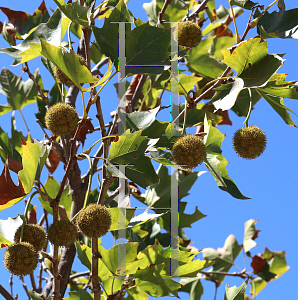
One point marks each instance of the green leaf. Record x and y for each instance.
(186, 82)
(110, 257)
(75, 12)
(159, 194)
(68, 63)
(175, 11)
(107, 36)
(18, 92)
(78, 295)
(247, 4)
(150, 281)
(236, 293)
(138, 120)
(278, 24)
(281, 88)
(193, 286)
(250, 233)
(129, 151)
(200, 62)
(245, 54)
(7, 230)
(52, 188)
(53, 31)
(34, 295)
(224, 258)
(251, 61)
(241, 106)
(114, 211)
(216, 163)
(278, 105)
(228, 101)
(30, 161)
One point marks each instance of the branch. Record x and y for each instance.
(31, 76)
(104, 189)
(5, 293)
(94, 277)
(196, 12)
(163, 10)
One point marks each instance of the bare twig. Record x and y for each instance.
(5, 293)
(31, 76)
(163, 10)
(194, 14)
(11, 284)
(94, 277)
(24, 285)
(104, 189)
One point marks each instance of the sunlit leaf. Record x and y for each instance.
(236, 293)
(224, 257)
(52, 31)
(18, 92)
(250, 234)
(68, 63)
(129, 151)
(7, 230)
(216, 163)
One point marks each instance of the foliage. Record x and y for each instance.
(225, 72)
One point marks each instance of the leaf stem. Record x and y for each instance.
(234, 20)
(24, 121)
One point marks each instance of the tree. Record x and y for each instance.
(225, 72)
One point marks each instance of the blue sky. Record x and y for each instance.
(270, 180)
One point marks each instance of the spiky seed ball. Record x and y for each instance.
(189, 151)
(61, 119)
(61, 77)
(33, 234)
(249, 142)
(62, 233)
(189, 34)
(20, 258)
(94, 220)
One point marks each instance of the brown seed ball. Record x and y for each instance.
(61, 77)
(20, 258)
(94, 220)
(189, 34)
(62, 233)
(249, 142)
(189, 151)
(61, 119)
(33, 234)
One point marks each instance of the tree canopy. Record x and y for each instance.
(99, 144)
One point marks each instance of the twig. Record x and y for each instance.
(113, 196)
(94, 277)
(137, 91)
(79, 274)
(235, 274)
(32, 279)
(195, 13)
(24, 285)
(163, 10)
(24, 121)
(104, 189)
(31, 76)
(11, 284)
(5, 293)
